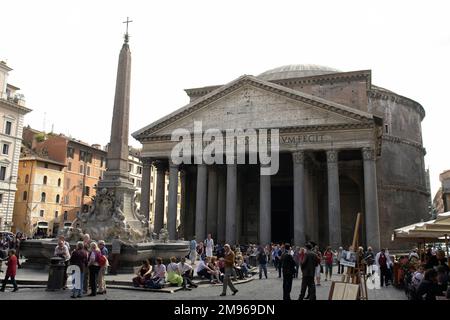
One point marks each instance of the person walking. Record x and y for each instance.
(193, 251)
(328, 256)
(382, 261)
(229, 265)
(79, 258)
(261, 257)
(288, 267)
(209, 245)
(308, 266)
(11, 271)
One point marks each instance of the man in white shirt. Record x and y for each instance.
(209, 243)
(185, 271)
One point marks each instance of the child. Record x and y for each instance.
(11, 270)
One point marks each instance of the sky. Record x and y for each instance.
(64, 55)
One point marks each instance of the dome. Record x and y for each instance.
(296, 71)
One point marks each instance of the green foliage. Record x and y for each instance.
(40, 137)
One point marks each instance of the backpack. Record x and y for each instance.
(101, 259)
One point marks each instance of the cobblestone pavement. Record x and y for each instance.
(265, 289)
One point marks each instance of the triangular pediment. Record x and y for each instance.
(249, 102)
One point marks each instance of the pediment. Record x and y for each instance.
(253, 103)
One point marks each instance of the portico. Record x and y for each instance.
(327, 171)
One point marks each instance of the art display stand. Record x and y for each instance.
(353, 284)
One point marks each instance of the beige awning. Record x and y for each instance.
(434, 230)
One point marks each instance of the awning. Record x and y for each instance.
(42, 225)
(437, 230)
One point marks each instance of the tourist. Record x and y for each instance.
(203, 270)
(157, 281)
(428, 288)
(319, 266)
(209, 245)
(279, 252)
(267, 251)
(241, 267)
(417, 277)
(173, 277)
(328, 256)
(262, 262)
(288, 267)
(296, 256)
(369, 259)
(360, 262)
(413, 254)
(103, 263)
(215, 273)
(144, 273)
(11, 270)
(221, 264)
(308, 266)
(185, 271)
(229, 263)
(382, 260)
(62, 251)
(193, 251)
(87, 247)
(94, 268)
(79, 258)
(201, 251)
(338, 258)
(442, 260)
(431, 260)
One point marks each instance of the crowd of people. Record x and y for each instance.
(423, 274)
(91, 258)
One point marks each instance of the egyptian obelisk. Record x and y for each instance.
(113, 212)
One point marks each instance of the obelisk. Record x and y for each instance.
(113, 213)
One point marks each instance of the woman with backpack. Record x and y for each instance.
(94, 267)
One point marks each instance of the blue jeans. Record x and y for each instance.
(262, 267)
(77, 292)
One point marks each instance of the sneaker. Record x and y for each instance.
(72, 296)
(223, 294)
(234, 292)
(15, 289)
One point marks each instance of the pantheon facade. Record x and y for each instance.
(346, 146)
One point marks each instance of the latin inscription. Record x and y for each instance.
(302, 139)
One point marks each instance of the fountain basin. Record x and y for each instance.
(39, 251)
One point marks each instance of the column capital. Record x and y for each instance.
(368, 154)
(147, 161)
(298, 156)
(332, 156)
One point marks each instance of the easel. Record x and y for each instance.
(355, 275)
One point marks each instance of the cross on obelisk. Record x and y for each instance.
(126, 34)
